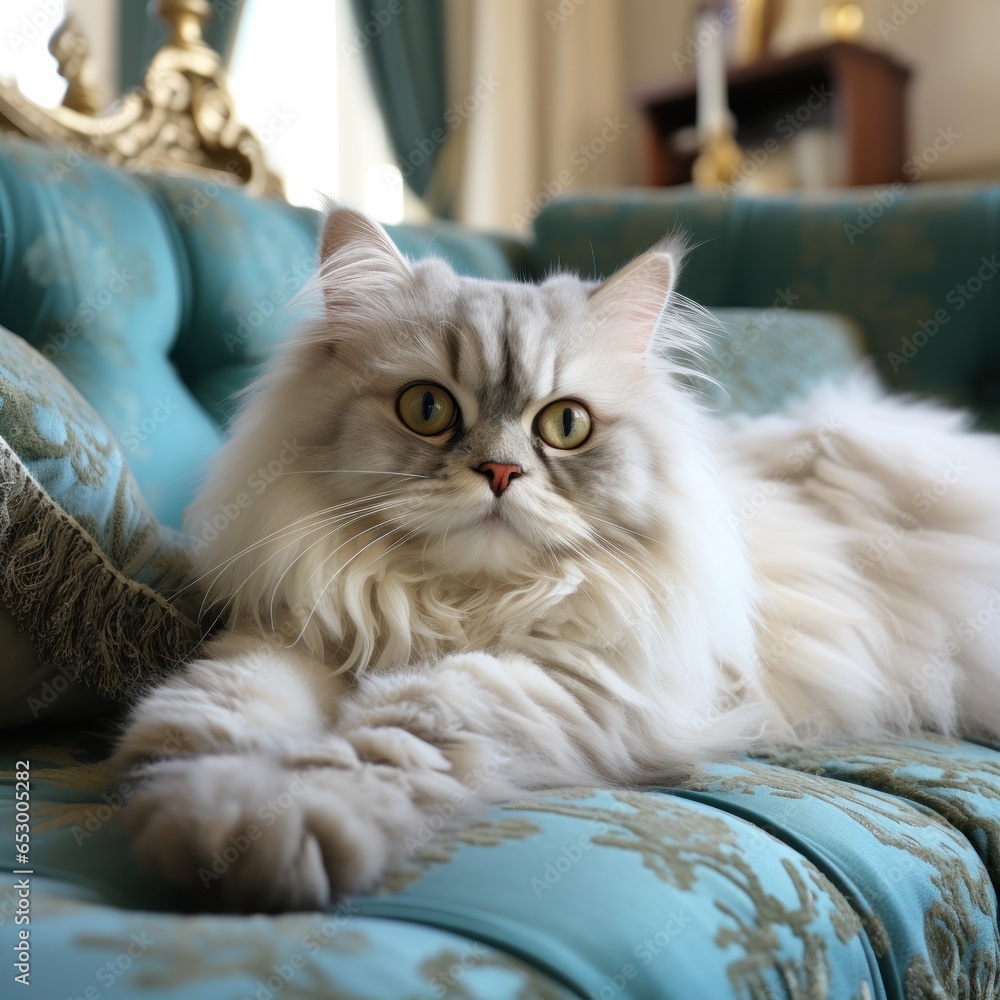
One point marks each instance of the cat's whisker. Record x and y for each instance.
(390, 505)
(263, 540)
(331, 523)
(299, 536)
(329, 582)
(222, 566)
(354, 501)
(359, 472)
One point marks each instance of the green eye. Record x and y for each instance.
(426, 408)
(564, 424)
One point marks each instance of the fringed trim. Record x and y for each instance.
(82, 614)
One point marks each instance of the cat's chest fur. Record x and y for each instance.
(415, 616)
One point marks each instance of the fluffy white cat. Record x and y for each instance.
(505, 549)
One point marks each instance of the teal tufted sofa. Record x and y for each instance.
(850, 872)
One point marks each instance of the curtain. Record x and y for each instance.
(547, 83)
(403, 42)
(496, 106)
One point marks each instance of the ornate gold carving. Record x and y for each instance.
(181, 120)
(71, 51)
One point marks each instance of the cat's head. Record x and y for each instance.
(494, 432)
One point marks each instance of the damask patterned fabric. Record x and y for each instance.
(96, 584)
(845, 873)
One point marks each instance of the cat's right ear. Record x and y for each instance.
(358, 259)
(633, 300)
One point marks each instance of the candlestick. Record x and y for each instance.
(713, 113)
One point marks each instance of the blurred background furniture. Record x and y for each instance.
(855, 94)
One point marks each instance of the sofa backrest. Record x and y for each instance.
(916, 268)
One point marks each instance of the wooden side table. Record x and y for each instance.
(859, 91)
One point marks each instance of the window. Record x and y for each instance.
(309, 100)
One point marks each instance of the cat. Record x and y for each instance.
(505, 548)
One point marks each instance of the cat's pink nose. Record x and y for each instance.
(500, 475)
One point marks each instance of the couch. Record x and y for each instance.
(849, 872)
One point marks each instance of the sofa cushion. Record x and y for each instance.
(758, 361)
(849, 873)
(90, 582)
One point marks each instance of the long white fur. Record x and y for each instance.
(830, 571)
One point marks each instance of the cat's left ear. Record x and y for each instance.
(632, 301)
(358, 258)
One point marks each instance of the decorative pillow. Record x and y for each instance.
(92, 581)
(763, 359)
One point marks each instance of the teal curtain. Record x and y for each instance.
(404, 49)
(142, 33)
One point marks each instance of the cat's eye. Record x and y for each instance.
(564, 424)
(427, 408)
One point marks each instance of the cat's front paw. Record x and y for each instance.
(243, 832)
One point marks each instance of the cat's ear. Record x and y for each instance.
(633, 300)
(358, 256)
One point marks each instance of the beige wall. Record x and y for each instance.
(952, 46)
